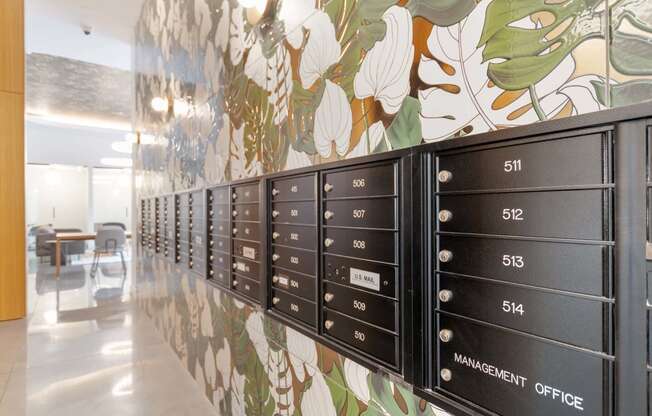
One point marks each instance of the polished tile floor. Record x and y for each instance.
(86, 350)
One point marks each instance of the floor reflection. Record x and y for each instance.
(86, 350)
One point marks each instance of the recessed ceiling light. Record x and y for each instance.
(120, 162)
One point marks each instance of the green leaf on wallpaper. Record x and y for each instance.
(627, 93)
(405, 130)
(441, 12)
(304, 106)
(258, 397)
(632, 54)
(345, 402)
(528, 55)
(397, 401)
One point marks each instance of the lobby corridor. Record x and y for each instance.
(84, 350)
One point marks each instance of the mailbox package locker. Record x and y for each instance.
(497, 274)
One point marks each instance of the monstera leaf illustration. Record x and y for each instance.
(631, 51)
(528, 55)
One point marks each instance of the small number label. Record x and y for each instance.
(361, 306)
(513, 214)
(359, 213)
(294, 189)
(359, 183)
(294, 307)
(359, 244)
(294, 212)
(294, 236)
(294, 260)
(512, 166)
(513, 261)
(513, 308)
(360, 336)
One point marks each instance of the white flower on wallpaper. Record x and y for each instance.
(254, 326)
(297, 159)
(209, 367)
(317, 400)
(321, 51)
(294, 14)
(202, 20)
(356, 377)
(369, 140)
(333, 121)
(239, 39)
(223, 362)
(222, 32)
(217, 156)
(302, 350)
(385, 70)
(238, 406)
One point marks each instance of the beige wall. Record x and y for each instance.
(12, 178)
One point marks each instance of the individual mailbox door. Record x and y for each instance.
(517, 375)
(247, 268)
(299, 236)
(220, 275)
(374, 309)
(297, 188)
(558, 214)
(365, 213)
(220, 244)
(295, 307)
(246, 249)
(220, 213)
(302, 261)
(246, 212)
(220, 195)
(371, 276)
(569, 319)
(245, 286)
(220, 260)
(378, 180)
(295, 283)
(220, 228)
(294, 212)
(246, 231)
(564, 162)
(377, 245)
(245, 193)
(379, 344)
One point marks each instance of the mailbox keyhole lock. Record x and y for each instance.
(235, 283)
(211, 228)
(212, 257)
(275, 214)
(211, 243)
(329, 214)
(445, 215)
(275, 279)
(446, 374)
(328, 187)
(445, 256)
(328, 242)
(212, 272)
(275, 300)
(445, 335)
(210, 198)
(235, 213)
(235, 196)
(275, 192)
(329, 297)
(445, 295)
(329, 324)
(235, 266)
(275, 235)
(235, 231)
(275, 257)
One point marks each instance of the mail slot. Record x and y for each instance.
(247, 287)
(219, 244)
(246, 231)
(302, 261)
(219, 195)
(220, 212)
(301, 236)
(295, 188)
(365, 244)
(295, 307)
(245, 193)
(295, 283)
(560, 214)
(381, 345)
(218, 259)
(516, 375)
(246, 249)
(374, 309)
(246, 212)
(569, 319)
(570, 161)
(294, 212)
(220, 228)
(536, 263)
(221, 276)
(379, 180)
(373, 277)
(245, 267)
(367, 213)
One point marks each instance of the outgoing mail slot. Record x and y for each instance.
(294, 189)
(301, 236)
(374, 309)
(245, 267)
(294, 212)
(295, 283)
(246, 231)
(245, 286)
(295, 307)
(302, 261)
(378, 180)
(218, 259)
(365, 244)
(220, 244)
(220, 228)
(220, 212)
(373, 277)
(516, 375)
(246, 212)
(572, 161)
(221, 276)
(373, 341)
(245, 193)
(246, 249)
(568, 319)
(367, 213)
(560, 214)
(535, 263)
(220, 195)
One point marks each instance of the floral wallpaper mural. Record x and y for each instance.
(225, 92)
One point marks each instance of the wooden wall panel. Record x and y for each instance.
(12, 161)
(12, 49)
